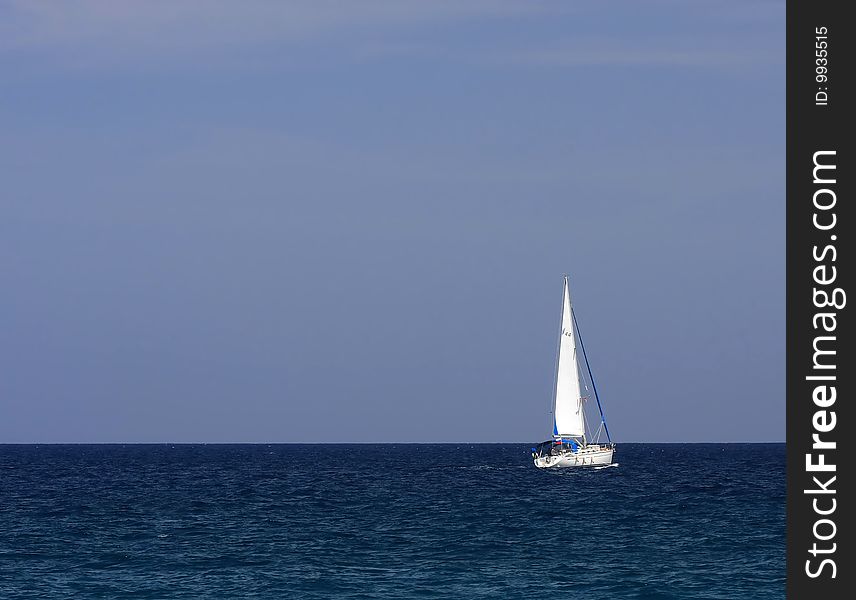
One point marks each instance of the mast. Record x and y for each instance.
(551, 416)
(568, 416)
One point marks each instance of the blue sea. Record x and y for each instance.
(672, 521)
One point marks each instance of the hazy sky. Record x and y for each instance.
(348, 221)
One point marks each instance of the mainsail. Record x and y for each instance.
(568, 420)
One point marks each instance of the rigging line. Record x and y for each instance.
(593, 385)
(585, 422)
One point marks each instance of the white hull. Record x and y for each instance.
(590, 456)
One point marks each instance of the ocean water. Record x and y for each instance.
(672, 521)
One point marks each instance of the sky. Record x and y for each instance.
(348, 221)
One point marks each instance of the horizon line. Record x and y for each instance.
(340, 443)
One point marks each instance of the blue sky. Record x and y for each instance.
(330, 221)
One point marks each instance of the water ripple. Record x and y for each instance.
(699, 521)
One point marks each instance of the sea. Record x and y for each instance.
(669, 522)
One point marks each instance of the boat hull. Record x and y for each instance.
(591, 456)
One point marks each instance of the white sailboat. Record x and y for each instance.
(572, 446)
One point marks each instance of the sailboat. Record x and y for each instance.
(573, 443)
